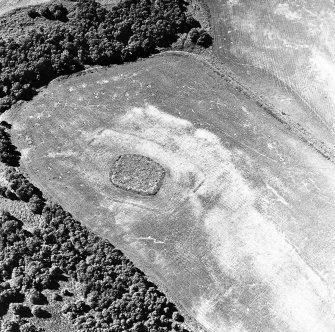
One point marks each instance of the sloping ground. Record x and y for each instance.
(9, 5)
(286, 51)
(241, 232)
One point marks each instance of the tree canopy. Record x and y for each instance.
(88, 35)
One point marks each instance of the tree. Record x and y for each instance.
(5, 124)
(39, 312)
(192, 22)
(10, 195)
(36, 297)
(45, 12)
(204, 39)
(59, 12)
(3, 191)
(57, 297)
(23, 189)
(20, 310)
(8, 152)
(32, 13)
(8, 326)
(96, 36)
(36, 204)
(194, 35)
(177, 317)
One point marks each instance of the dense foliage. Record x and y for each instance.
(201, 37)
(90, 35)
(54, 12)
(117, 296)
(19, 188)
(113, 295)
(8, 152)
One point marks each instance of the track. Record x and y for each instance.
(327, 151)
(241, 233)
(284, 50)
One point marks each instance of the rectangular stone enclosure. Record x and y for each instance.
(138, 174)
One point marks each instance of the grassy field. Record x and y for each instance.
(241, 232)
(8, 5)
(285, 51)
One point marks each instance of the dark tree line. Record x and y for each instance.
(8, 152)
(20, 188)
(200, 36)
(92, 36)
(53, 12)
(117, 296)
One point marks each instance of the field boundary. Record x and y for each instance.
(237, 83)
